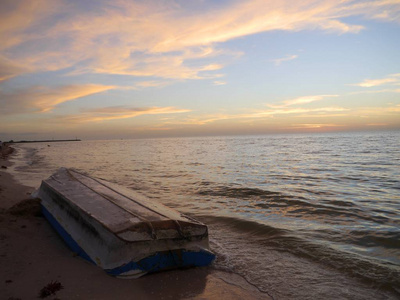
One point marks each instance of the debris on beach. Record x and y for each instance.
(28, 207)
(50, 289)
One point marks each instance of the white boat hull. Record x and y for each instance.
(104, 227)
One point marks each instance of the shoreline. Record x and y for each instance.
(32, 255)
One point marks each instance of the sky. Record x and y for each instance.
(161, 68)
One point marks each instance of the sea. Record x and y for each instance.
(299, 216)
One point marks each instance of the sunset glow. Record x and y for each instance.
(126, 69)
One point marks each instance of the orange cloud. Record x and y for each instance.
(259, 114)
(151, 83)
(10, 69)
(43, 99)
(379, 111)
(17, 17)
(314, 126)
(377, 124)
(118, 112)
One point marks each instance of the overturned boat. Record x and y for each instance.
(123, 232)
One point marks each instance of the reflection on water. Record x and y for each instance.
(283, 209)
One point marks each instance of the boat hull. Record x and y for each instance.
(91, 239)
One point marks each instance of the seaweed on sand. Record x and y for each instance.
(50, 289)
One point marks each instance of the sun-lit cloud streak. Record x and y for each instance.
(10, 69)
(376, 92)
(285, 111)
(150, 84)
(323, 118)
(391, 79)
(158, 38)
(18, 17)
(278, 61)
(238, 19)
(301, 100)
(119, 112)
(285, 108)
(379, 111)
(219, 82)
(43, 99)
(377, 124)
(257, 114)
(306, 99)
(314, 126)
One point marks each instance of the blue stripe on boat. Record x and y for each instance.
(166, 260)
(157, 262)
(65, 235)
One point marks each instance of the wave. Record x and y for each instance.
(265, 239)
(327, 208)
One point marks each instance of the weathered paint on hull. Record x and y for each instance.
(72, 244)
(158, 262)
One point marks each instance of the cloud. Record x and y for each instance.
(391, 79)
(259, 114)
(44, 99)
(301, 100)
(283, 109)
(119, 112)
(379, 111)
(10, 69)
(164, 39)
(306, 99)
(376, 92)
(151, 83)
(385, 10)
(19, 17)
(377, 124)
(278, 61)
(314, 126)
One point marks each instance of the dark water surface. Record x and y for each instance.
(300, 216)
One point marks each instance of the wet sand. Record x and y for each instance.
(33, 255)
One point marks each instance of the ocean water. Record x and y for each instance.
(299, 216)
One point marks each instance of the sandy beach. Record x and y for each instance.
(32, 255)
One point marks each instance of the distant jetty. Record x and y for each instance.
(48, 141)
